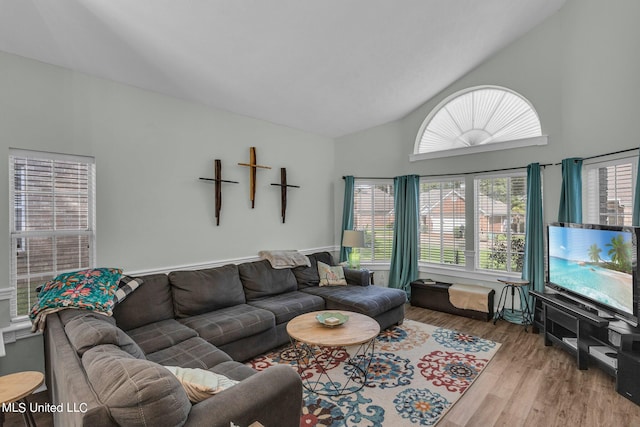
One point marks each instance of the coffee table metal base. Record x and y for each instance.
(313, 359)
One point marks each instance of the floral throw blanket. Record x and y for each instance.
(91, 289)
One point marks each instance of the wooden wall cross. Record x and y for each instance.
(253, 165)
(283, 192)
(218, 181)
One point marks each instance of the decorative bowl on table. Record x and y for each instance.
(331, 320)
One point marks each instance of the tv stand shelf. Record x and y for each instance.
(614, 346)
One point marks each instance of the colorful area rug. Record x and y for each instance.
(417, 373)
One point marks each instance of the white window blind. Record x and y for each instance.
(373, 211)
(52, 221)
(607, 191)
(501, 205)
(442, 221)
(477, 119)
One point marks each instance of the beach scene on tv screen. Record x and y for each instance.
(594, 263)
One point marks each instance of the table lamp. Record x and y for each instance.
(353, 239)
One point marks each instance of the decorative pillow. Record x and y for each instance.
(331, 276)
(91, 289)
(126, 285)
(199, 383)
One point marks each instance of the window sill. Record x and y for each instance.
(17, 330)
(518, 143)
(460, 272)
(443, 270)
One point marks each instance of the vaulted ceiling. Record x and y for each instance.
(330, 67)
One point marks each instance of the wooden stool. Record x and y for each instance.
(16, 388)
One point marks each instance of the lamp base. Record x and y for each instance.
(354, 259)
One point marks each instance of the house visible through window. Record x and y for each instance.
(374, 214)
(607, 191)
(500, 210)
(52, 225)
(442, 221)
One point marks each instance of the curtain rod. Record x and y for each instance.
(603, 155)
(505, 169)
(453, 174)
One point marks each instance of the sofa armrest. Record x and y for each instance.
(357, 277)
(273, 397)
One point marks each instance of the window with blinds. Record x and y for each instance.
(373, 213)
(442, 221)
(607, 191)
(52, 222)
(500, 209)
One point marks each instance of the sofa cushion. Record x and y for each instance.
(137, 392)
(86, 332)
(289, 305)
(230, 324)
(234, 370)
(202, 291)
(191, 353)
(368, 300)
(148, 304)
(69, 314)
(260, 280)
(308, 276)
(130, 346)
(160, 335)
(90, 330)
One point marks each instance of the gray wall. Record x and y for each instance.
(152, 211)
(580, 69)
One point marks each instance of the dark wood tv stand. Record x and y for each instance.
(613, 345)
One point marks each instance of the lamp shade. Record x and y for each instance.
(353, 239)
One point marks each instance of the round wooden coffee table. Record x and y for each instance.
(16, 387)
(320, 348)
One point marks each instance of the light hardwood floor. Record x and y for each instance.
(526, 384)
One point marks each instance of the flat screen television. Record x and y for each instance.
(596, 264)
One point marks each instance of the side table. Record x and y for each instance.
(318, 348)
(513, 284)
(15, 388)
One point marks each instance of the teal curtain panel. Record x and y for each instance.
(533, 267)
(347, 214)
(635, 218)
(571, 192)
(404, 254)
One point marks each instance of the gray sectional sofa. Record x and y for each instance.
(212, 319)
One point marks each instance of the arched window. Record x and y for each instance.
(477, 119)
